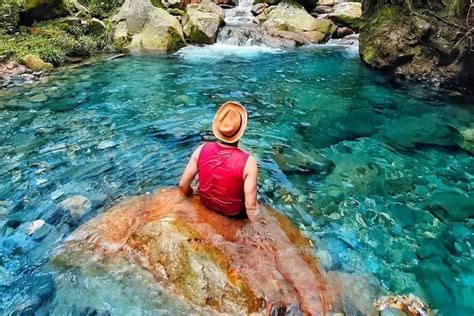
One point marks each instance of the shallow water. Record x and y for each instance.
(368, 169)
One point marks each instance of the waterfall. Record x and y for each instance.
(240, 15)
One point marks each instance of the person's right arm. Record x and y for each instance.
(189, 173)
(250, 189)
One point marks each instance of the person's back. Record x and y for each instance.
(221, 178)
(227, 175)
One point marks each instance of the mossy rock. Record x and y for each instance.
(142, 27)
(201, 22)
(289, 16)
(35, 63)
(347, 14)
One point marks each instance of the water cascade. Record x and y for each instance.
(239, 29)
(240, 15)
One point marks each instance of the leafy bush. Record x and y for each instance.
(9, 15)
(54, 41)
(102, 8)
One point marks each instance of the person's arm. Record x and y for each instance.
(189, 173)
(250, 189)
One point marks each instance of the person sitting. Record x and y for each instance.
(227, 175)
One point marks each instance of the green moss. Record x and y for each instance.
(54, 41)
(368, 54)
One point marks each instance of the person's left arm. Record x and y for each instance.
(189, 173)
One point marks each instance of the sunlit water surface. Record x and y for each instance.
(369, 170)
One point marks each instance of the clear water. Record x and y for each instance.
(369, 169)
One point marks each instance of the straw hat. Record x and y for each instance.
(230, 122)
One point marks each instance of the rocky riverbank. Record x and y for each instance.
(61, 32)
(419, 40)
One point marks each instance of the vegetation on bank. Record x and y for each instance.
(73, 33)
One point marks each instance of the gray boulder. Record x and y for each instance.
(141, 27)
(201, 22)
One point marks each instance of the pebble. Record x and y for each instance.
(34, 226)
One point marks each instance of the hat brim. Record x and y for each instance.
(243, 114)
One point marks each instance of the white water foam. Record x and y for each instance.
(218, 51)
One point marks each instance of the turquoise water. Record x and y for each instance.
(370, 170)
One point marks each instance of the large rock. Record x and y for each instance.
(419, 46)
(290, 17)
(141, 27)
(201, 22)
(210, 261)
(347, 14)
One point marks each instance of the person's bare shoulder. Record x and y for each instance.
(197, 151)
(251, 166)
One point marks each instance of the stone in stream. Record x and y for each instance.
(34, 226)
(466, 139)
(76, 205)
(291, 162)
(343, 32)
(258, 8)
(214, 263)
(201, 22)
(141, 27)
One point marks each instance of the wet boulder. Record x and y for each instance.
(141, 27)
(343, 32)
(291, 17)
(347, 14)
(210, 262)
(201, 22)
(294, 162)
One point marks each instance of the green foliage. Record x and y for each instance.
(54, 41)
(102, 8)
(458, 7)
(9, 14)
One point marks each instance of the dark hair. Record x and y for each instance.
(235, 144)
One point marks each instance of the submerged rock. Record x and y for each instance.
(141, 27)
(76, 205)
(213, 262)
(408, 305)
(201, 22)
(466, 139)
(34, 226)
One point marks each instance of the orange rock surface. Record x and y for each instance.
(211, 261)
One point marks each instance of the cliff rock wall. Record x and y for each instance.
(419, 39)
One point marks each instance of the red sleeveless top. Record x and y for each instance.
(221, 178)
